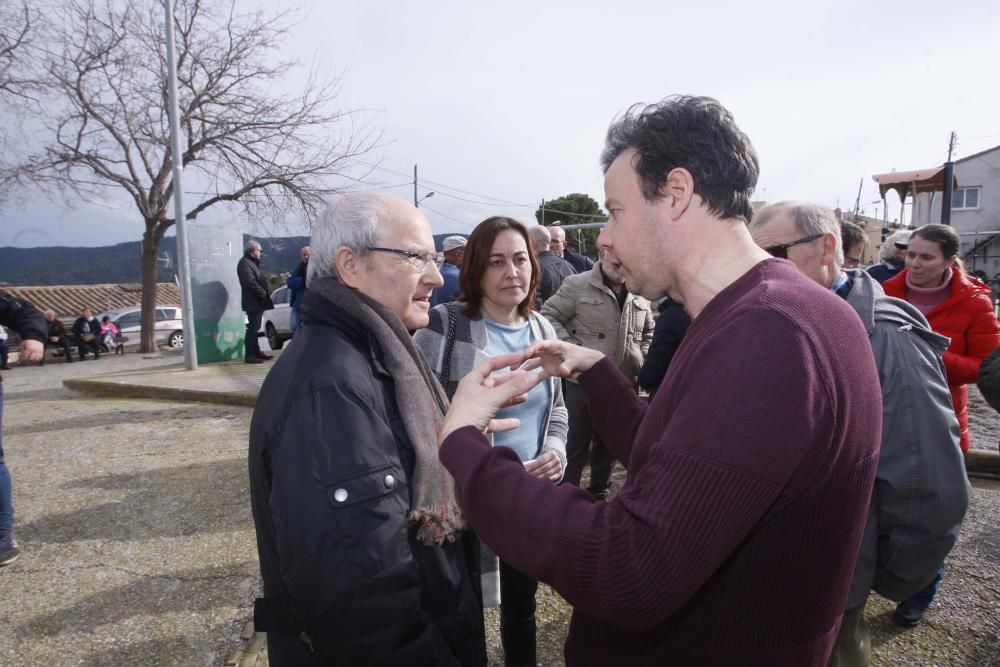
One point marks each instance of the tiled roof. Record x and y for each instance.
(68, 300)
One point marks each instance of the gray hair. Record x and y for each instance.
(250, 245)
(809, 218)
(351, 221)
(540, 236)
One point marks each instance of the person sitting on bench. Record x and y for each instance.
(109, 334)
(87, 332)
(56, 335)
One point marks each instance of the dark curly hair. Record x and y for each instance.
(698, 134)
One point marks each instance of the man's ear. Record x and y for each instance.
(678, 190)
(829, 248)
(347, 265)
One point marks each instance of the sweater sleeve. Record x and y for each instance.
(712, 470)
(22, 317)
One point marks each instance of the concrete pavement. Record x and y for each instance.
(134, 523)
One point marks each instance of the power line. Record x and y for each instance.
(445, 215)
(473, 201)
(437, 184)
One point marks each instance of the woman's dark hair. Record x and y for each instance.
(697, 134)
(943, 235)
(477, 261)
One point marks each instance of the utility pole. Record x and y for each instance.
(949, 183)
(542, 221)
(184, 266)
(857, 202)
(415, 202)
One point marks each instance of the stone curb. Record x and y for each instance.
(981, 463)
(101, 387)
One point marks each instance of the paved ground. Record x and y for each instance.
(139, 548)
(134, 522)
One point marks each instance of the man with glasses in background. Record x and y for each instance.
(853, 241)
(921, 490)
(361, 540)
(580, 263)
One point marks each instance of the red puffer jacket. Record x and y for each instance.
(966, 317)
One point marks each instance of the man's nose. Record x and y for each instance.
(432, 276)
(604, 238)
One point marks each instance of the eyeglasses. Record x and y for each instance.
(851, 262)
(420, 261)
(781, 251)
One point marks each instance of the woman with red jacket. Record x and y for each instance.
(956, 306)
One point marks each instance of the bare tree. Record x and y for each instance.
(16, 31)
(247, 138)
(18, 86)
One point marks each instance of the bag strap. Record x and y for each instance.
(449, 345)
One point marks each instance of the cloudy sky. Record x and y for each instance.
(505, 104)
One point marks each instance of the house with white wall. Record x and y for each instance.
(975, 209)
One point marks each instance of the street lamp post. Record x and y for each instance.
(183, 259)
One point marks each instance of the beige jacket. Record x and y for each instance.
(585, 311)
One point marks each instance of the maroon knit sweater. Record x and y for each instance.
(734, 539)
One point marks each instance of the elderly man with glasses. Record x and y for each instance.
(921, 490)
(363, 552)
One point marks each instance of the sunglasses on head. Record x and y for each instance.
(781, 251)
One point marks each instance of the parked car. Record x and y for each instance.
(168, 329)
(276, 324)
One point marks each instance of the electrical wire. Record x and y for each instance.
(445, 215)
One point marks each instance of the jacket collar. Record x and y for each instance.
(596, 278)
(962, 288)
(320, 310)
(868, 299)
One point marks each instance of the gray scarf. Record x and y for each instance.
(422, 404)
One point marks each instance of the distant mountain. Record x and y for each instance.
(61, 265)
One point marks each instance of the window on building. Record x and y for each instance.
(965, 198)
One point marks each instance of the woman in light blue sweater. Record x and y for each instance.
(498, 280)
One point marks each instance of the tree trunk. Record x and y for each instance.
(150, 251)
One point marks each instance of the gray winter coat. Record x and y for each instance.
(921, 490)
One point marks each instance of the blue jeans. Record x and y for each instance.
(251, 346)
(6, 501)
(922, 599)
(294, 318)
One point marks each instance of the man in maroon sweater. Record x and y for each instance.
(734, 539)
